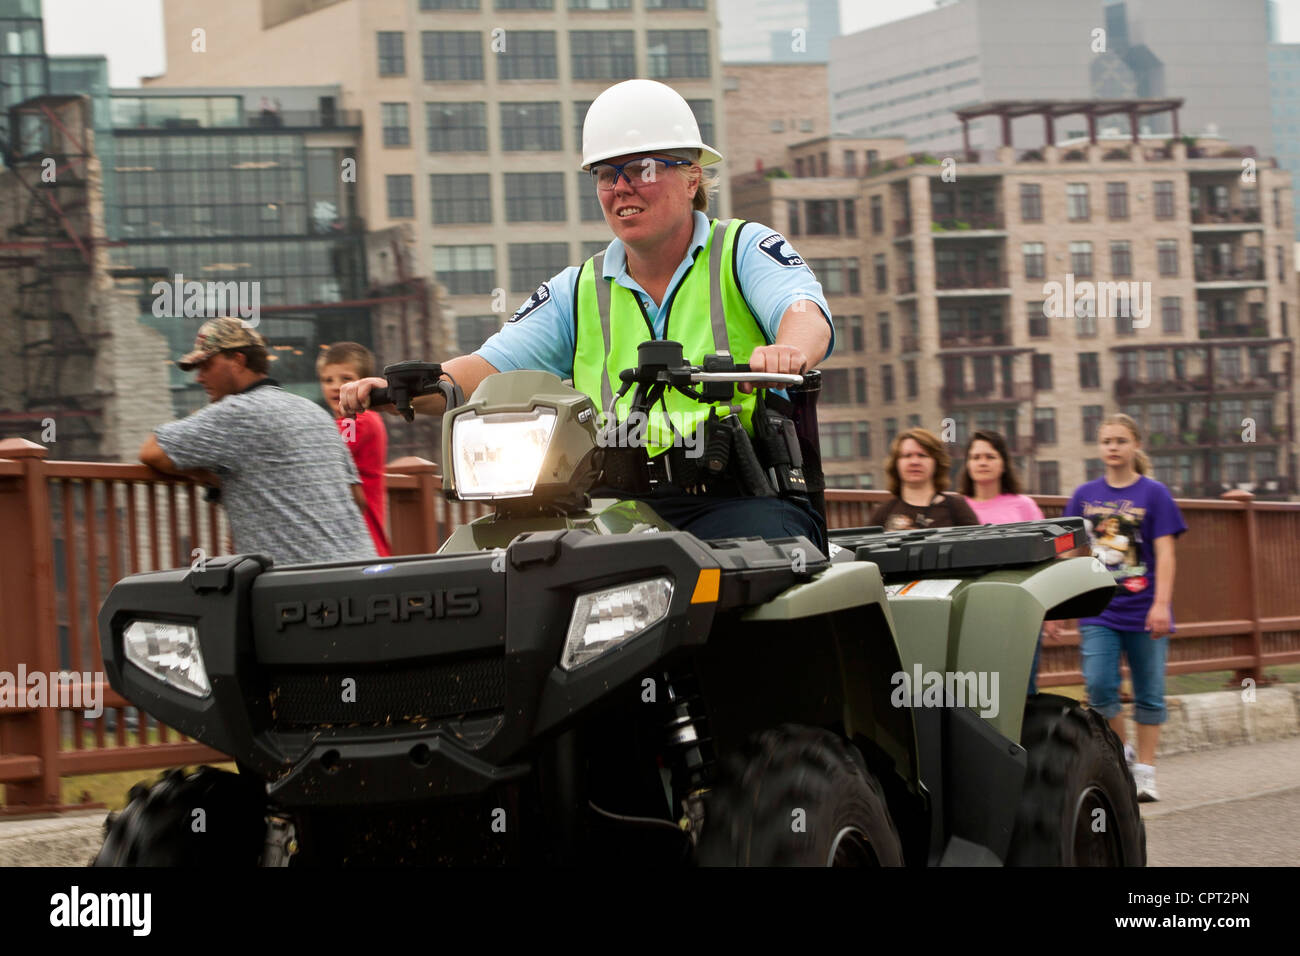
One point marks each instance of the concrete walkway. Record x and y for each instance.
(1197, 722)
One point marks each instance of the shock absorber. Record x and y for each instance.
(688, 747)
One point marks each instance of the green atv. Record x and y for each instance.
(573, 681)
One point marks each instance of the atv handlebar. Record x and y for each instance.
(410, 380)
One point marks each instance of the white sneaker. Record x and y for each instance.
(1130, 755)
(1144, 777)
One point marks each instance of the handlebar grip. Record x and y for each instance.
(380, 396)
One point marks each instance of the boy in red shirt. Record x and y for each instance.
(366, 436)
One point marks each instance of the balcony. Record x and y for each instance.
(971, 222)
(902, 227)
(978, 279)
(1243, 216)
(973, 340)
(1234, 330)
(910, 343)
(1214, 272)
(1165, 389)
(906, 285)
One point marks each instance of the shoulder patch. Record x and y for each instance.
(771, 247)
(533, 303)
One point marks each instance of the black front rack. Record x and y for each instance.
(965, 550)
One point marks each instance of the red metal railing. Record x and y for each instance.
(75, 528)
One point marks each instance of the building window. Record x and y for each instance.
(837, 276)
(910, 381)
(1164, 196)
(465, 270)
(1037, 321)
(853, 333)
(1031, 202)
(677, 54)
(591, 248)
(1049, 478)
(1167, 257)
(1121, 258)
(1045, 426)
(528, 55)
(401, 202)
(600, 4)
(882, 274)
(1281, 264)
(530, 126)
(1157, 367)
(1126, 366)
(1089, 370)
(877, 215)
(588, 201)
(891, 430)
(1076, 201)
(532, 263)
(850, 217)
(392, 53)
(448, 4)
(473, 330)
(396, 124)
(525, 4)
(1043, 373)
(860, 385)
(456, 127)
(1117, 200)
(1035, 257)
(703, 110)
(821, 217)
(1092, 415)
(835, 386)
(887, 383)
(460, 197)
(451, 56)
(1171, 314)
(886, 333)
(1081, 258)
(1228, 366)
(604, 55)
(1093, 468)
(534, 197)
(1277, 207)
(850, 162)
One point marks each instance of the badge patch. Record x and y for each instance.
(771, 247)
(534, 302)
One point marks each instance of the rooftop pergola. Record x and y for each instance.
(1049, 110)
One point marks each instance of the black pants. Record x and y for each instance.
(715, 516)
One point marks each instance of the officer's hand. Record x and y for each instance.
(783, 359)
(354, 397)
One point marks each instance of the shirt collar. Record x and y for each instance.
(616, 255)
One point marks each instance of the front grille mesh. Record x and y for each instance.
(390, 695)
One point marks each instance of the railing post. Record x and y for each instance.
(422, 537)
(1255, 673)
(28, 633)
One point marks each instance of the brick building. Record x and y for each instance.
(938, 289)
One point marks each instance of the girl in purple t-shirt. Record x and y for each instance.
(990, 483)
(1132, 523)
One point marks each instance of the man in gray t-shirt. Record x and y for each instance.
(287, 481)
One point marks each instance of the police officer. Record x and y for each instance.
(670, 273)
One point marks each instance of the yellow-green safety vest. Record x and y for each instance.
(611, 322)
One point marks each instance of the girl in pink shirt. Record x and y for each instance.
(990, 484)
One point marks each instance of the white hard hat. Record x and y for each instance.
(641, 116)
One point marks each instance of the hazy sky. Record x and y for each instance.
(129, 32)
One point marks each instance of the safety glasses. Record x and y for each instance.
(645, 170)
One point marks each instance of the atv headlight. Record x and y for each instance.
(500, 455)
(169, 652)
(602, 620)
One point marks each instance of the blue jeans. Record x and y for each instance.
(1101, 647)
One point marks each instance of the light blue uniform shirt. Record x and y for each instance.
(772, 277)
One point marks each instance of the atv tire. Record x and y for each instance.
(797, 796)
(159, 826)
(1075, 769)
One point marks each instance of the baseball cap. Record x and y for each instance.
(218, 335)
